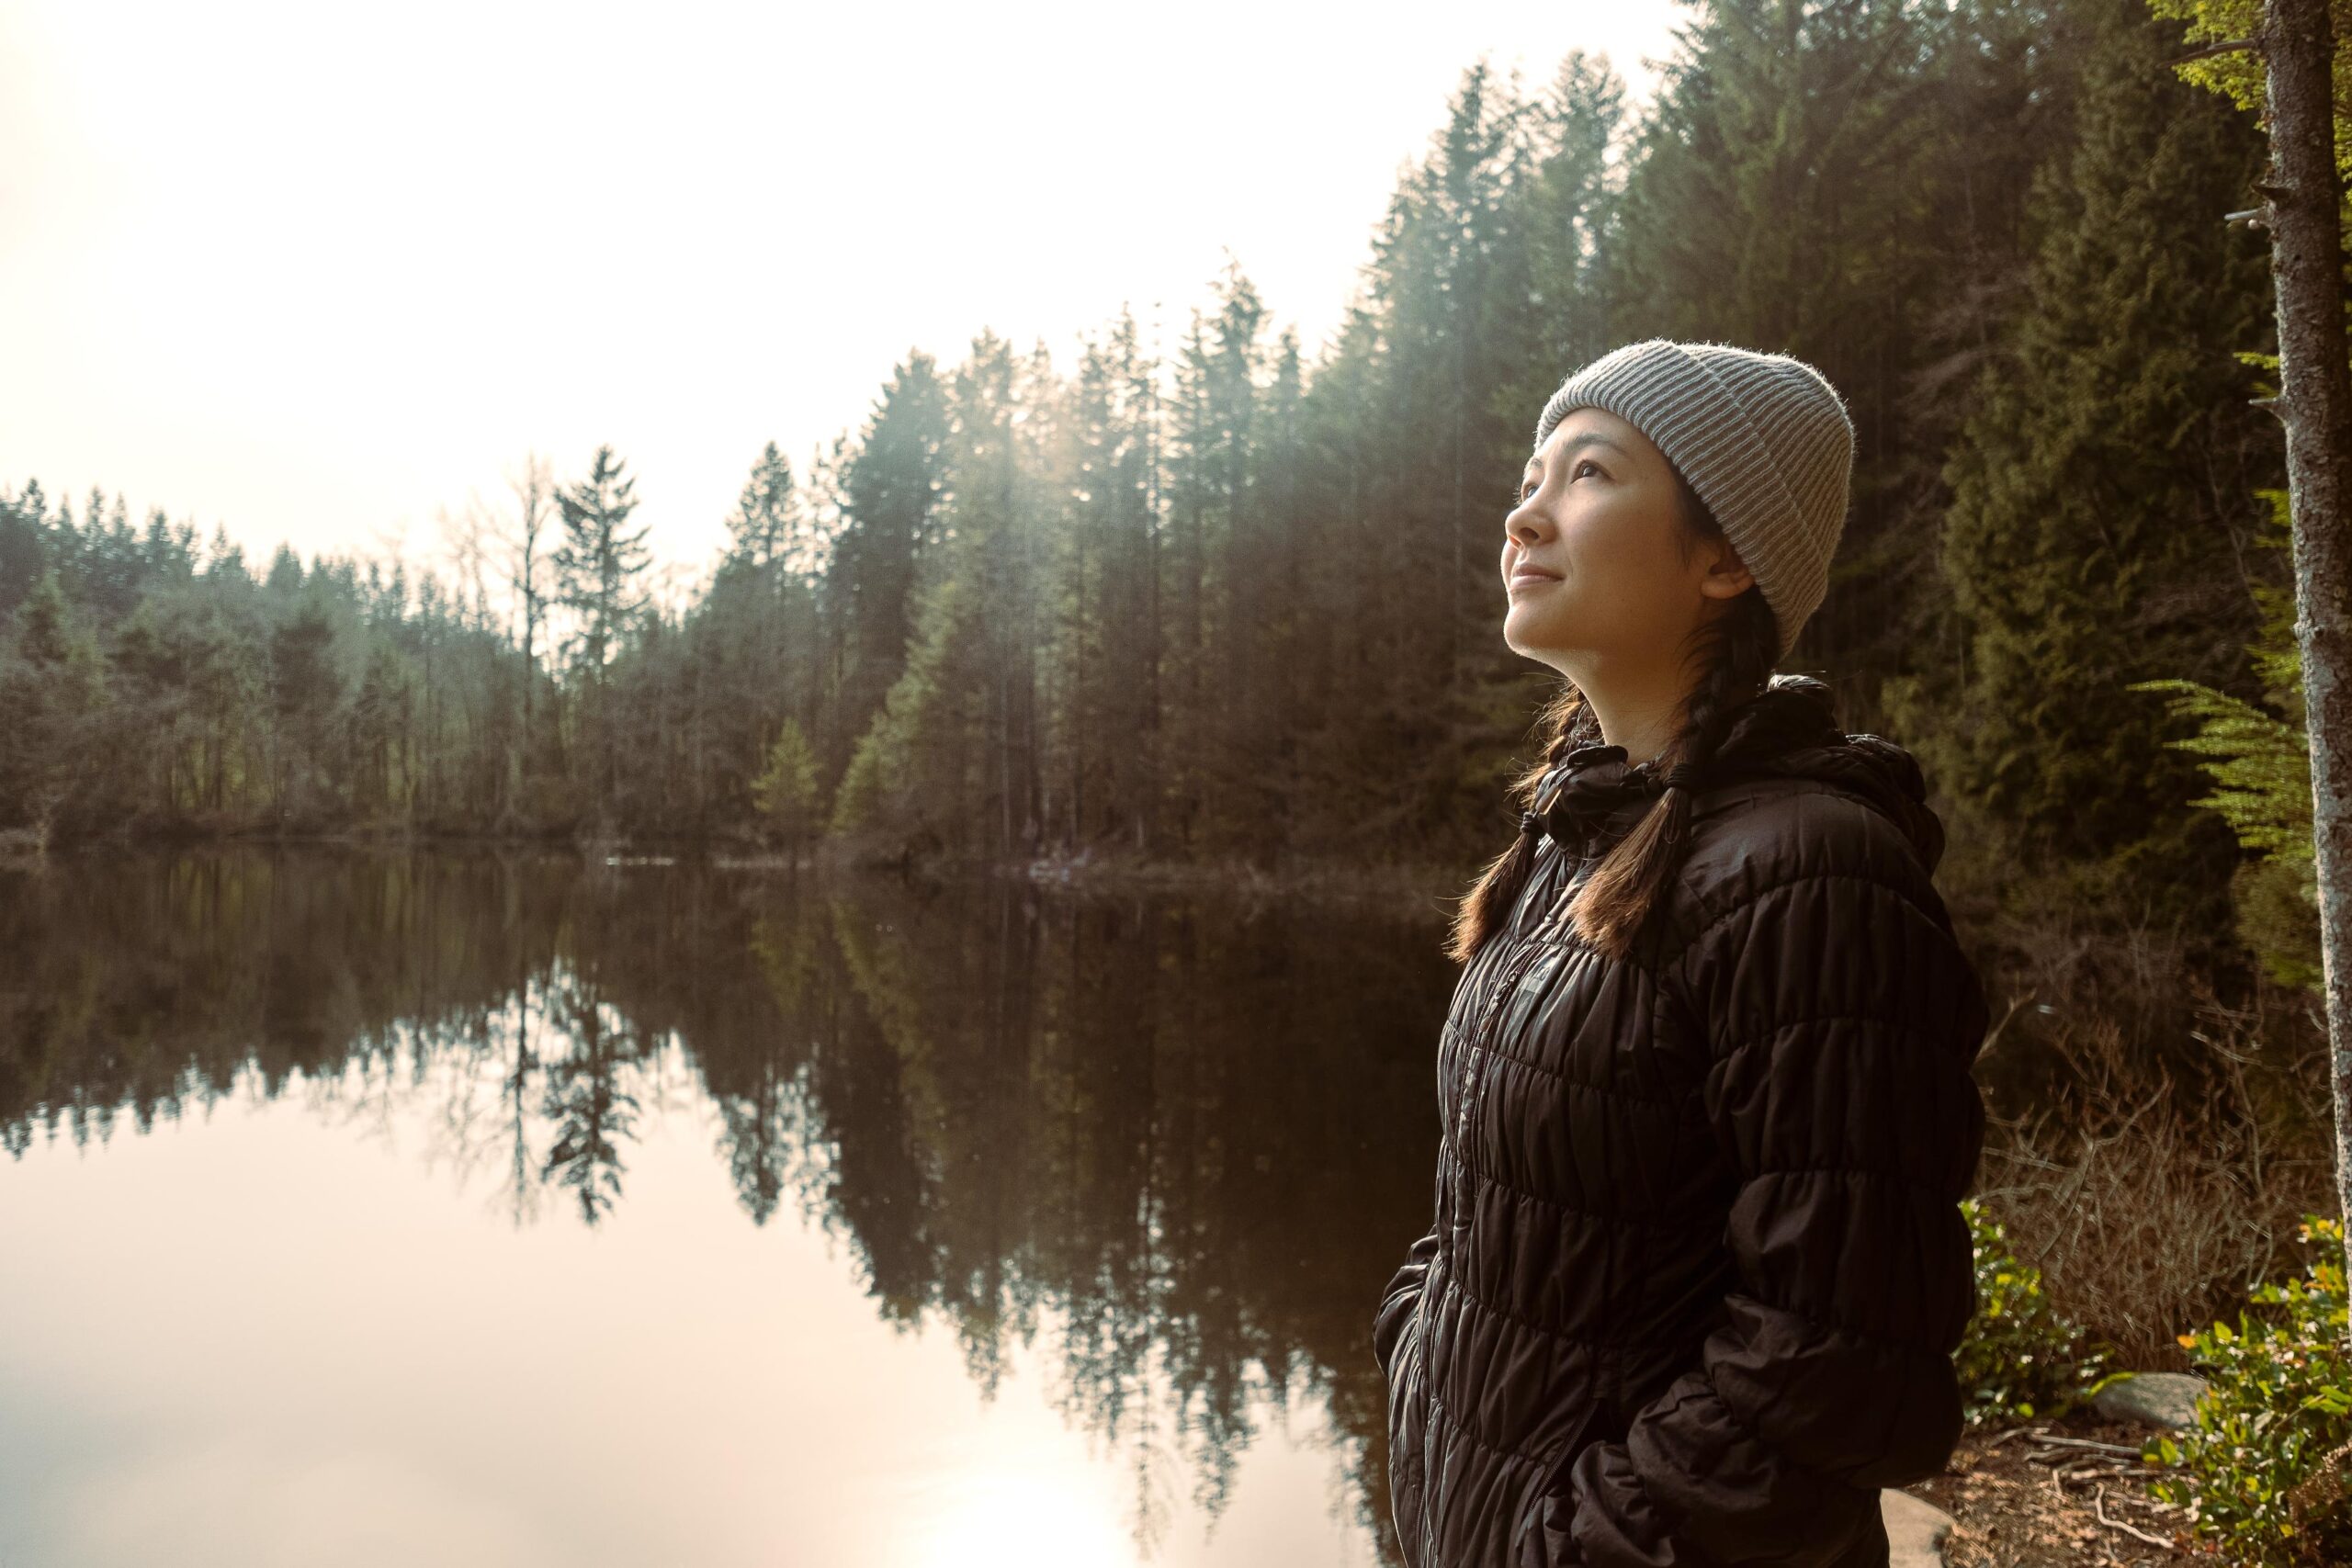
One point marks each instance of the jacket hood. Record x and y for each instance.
(1791, 730)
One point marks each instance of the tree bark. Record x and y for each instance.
(2316, 401)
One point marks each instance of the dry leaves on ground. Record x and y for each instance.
(2066, 1492)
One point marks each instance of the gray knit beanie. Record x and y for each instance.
(1763, 438)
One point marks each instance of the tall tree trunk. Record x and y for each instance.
(2316, 400)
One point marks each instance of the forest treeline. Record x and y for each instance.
(1200, 593)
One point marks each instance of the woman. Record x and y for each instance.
(1698, 1265)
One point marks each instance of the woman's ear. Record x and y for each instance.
(1726, 576)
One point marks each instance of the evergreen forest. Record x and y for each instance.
(1192, 592)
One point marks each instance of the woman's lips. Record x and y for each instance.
(1525, 576)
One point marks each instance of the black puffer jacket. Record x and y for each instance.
(1698, 1266)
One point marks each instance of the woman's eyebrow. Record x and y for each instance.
(1535, 465)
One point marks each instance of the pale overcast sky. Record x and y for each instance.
(310, 270)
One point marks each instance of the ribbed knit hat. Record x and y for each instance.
(1763, 438)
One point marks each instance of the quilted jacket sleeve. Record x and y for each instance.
(1838, 1020)
(1399, 1303)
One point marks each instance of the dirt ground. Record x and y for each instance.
(2048, 1492)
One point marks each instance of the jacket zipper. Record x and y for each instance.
(1514, 969)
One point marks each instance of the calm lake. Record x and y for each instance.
(474, 1209)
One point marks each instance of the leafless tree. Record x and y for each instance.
(534, 489)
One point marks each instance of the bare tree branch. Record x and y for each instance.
(2234, 46)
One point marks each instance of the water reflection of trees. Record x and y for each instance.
(1184, 1145)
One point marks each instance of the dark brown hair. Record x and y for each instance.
(1733, 653)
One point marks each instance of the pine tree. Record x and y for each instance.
(601, 563)
(306, 688)
(948, 757)
(761, 526)
(1416, 456)
(600, 566)
(787, 791)
(1559, 212)
(890, 489)
(1220, 584)
(2096, 487)
(52, 695)
(1270, 569)
(1105, 640)
(1785, 197)
(752, 649)
(1444, 293)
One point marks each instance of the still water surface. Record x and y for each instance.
(377, 1209)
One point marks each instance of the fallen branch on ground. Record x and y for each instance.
(2098, 1510)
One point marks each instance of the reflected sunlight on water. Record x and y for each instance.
(1005, 1518)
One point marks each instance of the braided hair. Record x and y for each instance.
(1735, 653)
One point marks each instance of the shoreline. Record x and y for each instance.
(1417, 892)
(1420, 892)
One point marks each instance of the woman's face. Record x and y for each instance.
(1592, 557)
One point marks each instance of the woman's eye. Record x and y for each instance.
(1529, 487)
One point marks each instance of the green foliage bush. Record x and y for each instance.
(2280, 1404)
(2020, 1357)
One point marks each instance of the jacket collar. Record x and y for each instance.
(1789, 730)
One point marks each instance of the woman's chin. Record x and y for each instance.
(1526, 634)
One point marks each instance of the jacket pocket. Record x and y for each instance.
(1542, 1534)
(1407, 1422)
